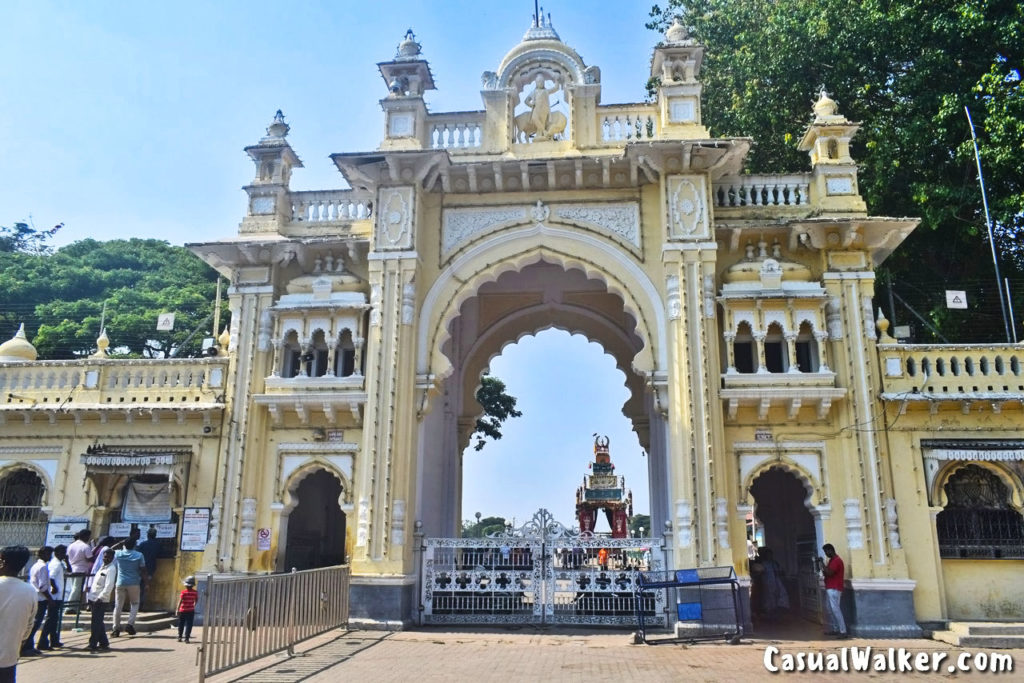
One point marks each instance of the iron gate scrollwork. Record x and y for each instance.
(539, 573)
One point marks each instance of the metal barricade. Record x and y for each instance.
(707, 603)
(249, 617)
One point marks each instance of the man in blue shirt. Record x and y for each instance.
(131, 573)
(149, 548)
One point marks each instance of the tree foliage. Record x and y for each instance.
(498, 406)
(638, 522)
(906, 70)
(24, 238)
(483, 527)
(60, 296)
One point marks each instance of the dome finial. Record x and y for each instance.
(677, 32)
(102, 343)
(408, 49)
(18, 348)
(278, 129)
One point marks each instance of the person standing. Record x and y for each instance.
(835, 574)
(39, 580)
(17, 609)
(101, 595)
(57, 567)
(80, 555)
(186, 608)
(149, 548)
(131, 572)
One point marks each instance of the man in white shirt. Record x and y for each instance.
(100, 596)
(39, 580)
(17, 608)
(50, 638)
(80, 555)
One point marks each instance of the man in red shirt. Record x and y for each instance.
(835, 574)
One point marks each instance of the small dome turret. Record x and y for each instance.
(408, 49)
(677, 32)
(18, 349)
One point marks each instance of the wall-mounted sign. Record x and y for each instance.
(195, 529)
(62, 530)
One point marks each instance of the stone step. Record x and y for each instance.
(145, 622)
(988, 628)
(996, 636)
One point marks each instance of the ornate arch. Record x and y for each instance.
(504, 251)
(10, 467)
(809, 481)
(291, 486)
(1010, 479)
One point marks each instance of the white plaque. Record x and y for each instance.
(195, 529)
(956, 299)
(400, 125)
(680, 111)
(62, 530)
(839, 185)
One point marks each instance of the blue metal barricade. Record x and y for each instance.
(707, 603)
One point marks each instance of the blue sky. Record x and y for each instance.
(128, 119)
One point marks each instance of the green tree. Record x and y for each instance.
(482, 527)
(498, 406)
(906, 70)
(61, 296)
(637, 522)
(25, 238)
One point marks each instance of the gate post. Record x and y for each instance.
(417, 561)
(670, 597)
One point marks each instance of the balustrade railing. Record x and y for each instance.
(331, 206)
(112, 381)
(455, 131)
(762, 190)
(626, 124)
(996, 370)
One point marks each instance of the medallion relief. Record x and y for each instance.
(687, 208)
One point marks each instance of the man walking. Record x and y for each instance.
(17, 609)
(835, 574)
(149, 548)
(131, 572)
(39, 580)
(100, 595)
(50, 638)
(80, 555)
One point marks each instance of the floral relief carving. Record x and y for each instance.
(621, 220)
(687, 211)
(461, 225)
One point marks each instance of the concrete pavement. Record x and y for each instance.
(491, 654)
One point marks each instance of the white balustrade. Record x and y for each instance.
(762, 190)
(980, 370)
(331, 206)
(626, 124)
(459, 131)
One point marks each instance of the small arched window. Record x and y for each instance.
(345, 358)
(807, 359)
(978, 520)
(776, 351)
(22, 520)
(743, 349)
(290, 353)
(315, 358)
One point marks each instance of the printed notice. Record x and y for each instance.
(195, 529)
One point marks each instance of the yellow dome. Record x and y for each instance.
(749, 269)
(18, 349)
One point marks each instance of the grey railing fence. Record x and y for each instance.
(245, 618)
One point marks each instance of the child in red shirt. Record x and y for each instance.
(186, 609)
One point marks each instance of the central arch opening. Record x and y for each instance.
(567, 389)
(564, 345)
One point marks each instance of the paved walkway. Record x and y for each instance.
(478, 655)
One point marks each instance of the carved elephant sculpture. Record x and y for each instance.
(524, 128)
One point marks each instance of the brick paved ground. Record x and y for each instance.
(504, 655)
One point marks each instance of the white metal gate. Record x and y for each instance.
(540, 573)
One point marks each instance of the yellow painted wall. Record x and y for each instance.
(984, 589)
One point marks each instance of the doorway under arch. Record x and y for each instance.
(316, 526)
(788, 528)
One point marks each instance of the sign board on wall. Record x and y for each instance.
(123, 529)
(195, 529)
(263, 539)
(62, 530)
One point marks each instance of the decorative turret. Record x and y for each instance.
(827, 140)
(407, 77)
(676, 67)
(603, 490)
(102, 344)
(274, 158)
(18, 349)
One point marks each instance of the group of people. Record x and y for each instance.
(107, 573)
(770, 597)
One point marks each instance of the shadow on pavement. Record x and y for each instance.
(316, 660)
